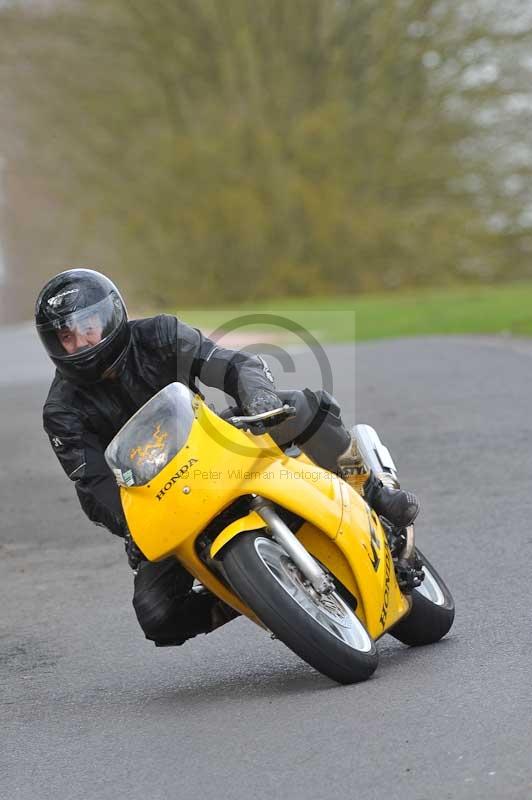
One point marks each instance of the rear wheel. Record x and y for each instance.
(432, 611)
(322, 629)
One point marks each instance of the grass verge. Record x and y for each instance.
(493, 309)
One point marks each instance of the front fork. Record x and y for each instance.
(282, 534)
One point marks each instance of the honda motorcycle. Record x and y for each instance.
(290, 545)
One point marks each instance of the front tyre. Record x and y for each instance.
(323, 630)
(432, 611)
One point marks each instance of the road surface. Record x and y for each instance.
(91, 710)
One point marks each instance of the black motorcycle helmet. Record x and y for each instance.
(81, 305)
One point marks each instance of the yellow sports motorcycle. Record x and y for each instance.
(281, 540)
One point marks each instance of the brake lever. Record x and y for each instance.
(256, 422)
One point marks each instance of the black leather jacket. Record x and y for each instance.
(81, 420)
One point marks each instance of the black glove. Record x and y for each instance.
(262, 401)
(134, 553)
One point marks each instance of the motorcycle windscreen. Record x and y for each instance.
(152, 437)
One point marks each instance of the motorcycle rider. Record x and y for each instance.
(108, 367)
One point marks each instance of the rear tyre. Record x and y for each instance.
(323, 630)
(432, 611)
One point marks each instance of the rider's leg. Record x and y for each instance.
(168, 611)
(317, 427)
(399, 507)
(319, 431)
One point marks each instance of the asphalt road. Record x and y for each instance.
(91, 710)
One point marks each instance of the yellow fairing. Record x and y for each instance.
(250, 522)
(218, 465)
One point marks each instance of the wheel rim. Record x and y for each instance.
(430, 588)
(330, 611)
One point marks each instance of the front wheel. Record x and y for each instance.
(432, 611)
(322, 629)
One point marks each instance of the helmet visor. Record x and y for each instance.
(65, 336)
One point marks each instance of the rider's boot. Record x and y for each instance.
(399, 507)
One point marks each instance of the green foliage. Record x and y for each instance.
(222, 150)
(457, 310)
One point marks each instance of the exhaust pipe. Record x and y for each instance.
(376, 456)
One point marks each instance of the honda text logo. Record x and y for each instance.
(175, 477)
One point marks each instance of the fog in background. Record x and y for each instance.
(216, 151)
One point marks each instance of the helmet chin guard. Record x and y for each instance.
(82, 322)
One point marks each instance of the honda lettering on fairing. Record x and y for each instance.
(375, 544)
(177, 476)
(386, 600)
